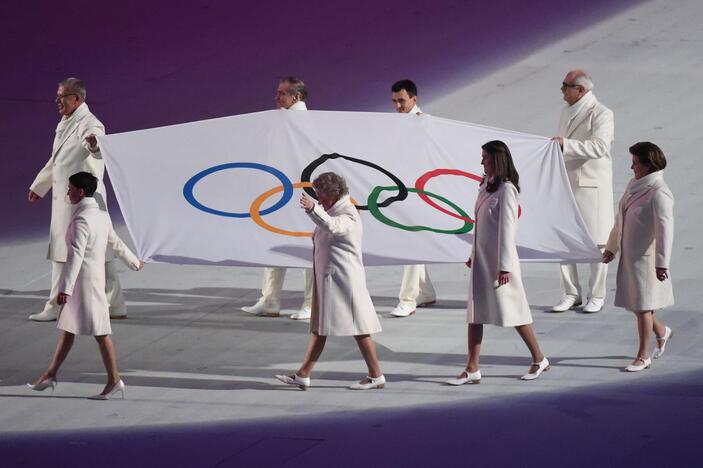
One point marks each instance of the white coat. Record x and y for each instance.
(83, 277)
(494, 250)
(341, 303)
(588, 128)
(644, 236)
(70, 154)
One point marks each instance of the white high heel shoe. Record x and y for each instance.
(638, 367)
(302, 382)
(473, 377)
(43, 385)
(542, 366)
(374, 382)
(664, 339)
(117, 388)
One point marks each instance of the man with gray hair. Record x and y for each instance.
(75, 150)
(291, 94)
(586, 130)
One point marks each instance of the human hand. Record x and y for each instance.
(559, 140)
(662, 273)
(141, 265)
(608, 256)
(306, 202)
(468, 262)
(503, 278)
(91, 140)
(63, 298)
(32, 197)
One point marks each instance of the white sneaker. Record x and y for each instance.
(43, 316)
(402, 310)
(374, 382)
(261, 309)
(593, 305)
(303, 314)
(664, 339)
(567, 302)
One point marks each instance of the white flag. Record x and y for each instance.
(225, 191)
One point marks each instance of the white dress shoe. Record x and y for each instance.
(402, 310)
(426, 302)
(261, 309)
(303, 314)
(119, 388)
(374, 382)
(118, 314)
(542, 366)
(663, 340)
(473, 377)
(643, 364)
(567, 302)
(43, 316)
(302, 382)
(43, 385)
(593, 305)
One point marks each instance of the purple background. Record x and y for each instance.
(149, 64)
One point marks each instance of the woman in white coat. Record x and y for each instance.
(496, 294)
(341, 304)
(85, 308)
(644, 236)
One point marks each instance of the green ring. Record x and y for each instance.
(373, 209)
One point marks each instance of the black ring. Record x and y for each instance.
(307, 172)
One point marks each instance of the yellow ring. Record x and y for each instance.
(256, 216)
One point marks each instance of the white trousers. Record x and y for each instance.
(113, 290)
(416, 286)
(272, 285)
(596, 284)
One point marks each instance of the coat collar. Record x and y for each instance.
(67, 125)
(636, 188)
(339, 204)
(300, 105)
(415, 110)
(84, 204)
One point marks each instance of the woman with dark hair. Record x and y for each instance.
(644, 235)
(341, 304)
(496, 294)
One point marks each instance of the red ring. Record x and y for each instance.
(424, 178)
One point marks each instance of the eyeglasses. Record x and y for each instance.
(567, 85)
(61, 96)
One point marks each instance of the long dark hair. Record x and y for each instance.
(503, 163)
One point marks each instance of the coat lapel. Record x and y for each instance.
(578, 119)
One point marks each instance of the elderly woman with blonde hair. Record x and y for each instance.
(341, 304)
(644, 234)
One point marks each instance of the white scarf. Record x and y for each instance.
(650, 180)
(571, 112)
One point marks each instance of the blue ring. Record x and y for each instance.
(285, 181)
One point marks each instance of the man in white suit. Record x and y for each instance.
(75, 150)
(586, 130)
(291, 95)
(416, 289)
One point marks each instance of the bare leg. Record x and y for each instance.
(107, 351)
(528, 336)
(475, 338)
(62, 348)
(645, 325)
(368, 351)
(315, 347)
(659, 329)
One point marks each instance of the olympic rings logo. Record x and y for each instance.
(373, 204)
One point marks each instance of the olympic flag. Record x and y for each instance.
(225, 191)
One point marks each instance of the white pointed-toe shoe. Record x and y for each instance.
(567, 302)
(44, 316)
(119, 388)
(374, 382)
(643, 364)
(663, 340)
(262, 309)
(542, 366)
(402, 310)
(473, 377)
(43, 385)
(303, 314)
(302, 382)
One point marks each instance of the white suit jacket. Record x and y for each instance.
(83, 275)
(70, 154)
(588, 136)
